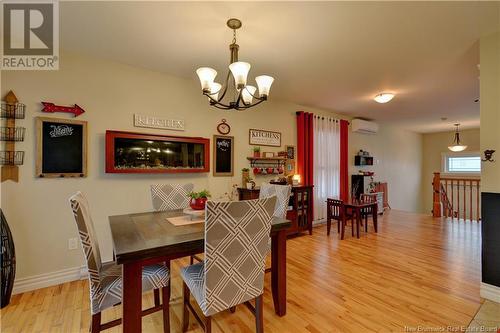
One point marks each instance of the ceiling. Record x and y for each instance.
(330, 55)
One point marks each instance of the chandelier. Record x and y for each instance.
(457, 146)
(240, 95)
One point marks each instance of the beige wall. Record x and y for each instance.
(434, 145)
(490, 109)
(111, 93)
(397, 160)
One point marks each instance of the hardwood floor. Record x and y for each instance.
(417, 271)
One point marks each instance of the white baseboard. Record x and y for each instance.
(49, 279)
(490, 292)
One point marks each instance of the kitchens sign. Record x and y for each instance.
(156, 122)
(264, 138)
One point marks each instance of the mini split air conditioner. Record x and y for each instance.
(364, 127)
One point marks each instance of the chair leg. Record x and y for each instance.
(328, 226)
(191, 260)
(343, 221)
(259, 314)
(156, 294)
(338, 226)
(208, 325)
(165, 298)
(366, 222)
(95, 327)
(352, 227)
(185, 316)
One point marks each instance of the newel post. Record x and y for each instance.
(436, 195)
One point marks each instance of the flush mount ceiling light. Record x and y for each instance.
(383, 97)
(240, 95)
(457, 146)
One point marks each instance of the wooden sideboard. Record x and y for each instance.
(299, 210)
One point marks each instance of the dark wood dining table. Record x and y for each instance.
(357, 207)
(148, 238)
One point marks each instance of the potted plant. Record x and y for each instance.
(256, 151)
(198, 199)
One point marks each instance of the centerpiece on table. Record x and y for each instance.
(199, 199)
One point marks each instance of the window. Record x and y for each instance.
(469, 163)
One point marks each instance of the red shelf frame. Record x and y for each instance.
(110, 151)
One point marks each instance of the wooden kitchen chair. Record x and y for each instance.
(336, 210)
(282, 193)
(170, 196)
(365, 212)
(105, 280)
(237, 240)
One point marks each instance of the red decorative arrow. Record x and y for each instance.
(51, 107)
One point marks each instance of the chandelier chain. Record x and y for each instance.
(234, 36)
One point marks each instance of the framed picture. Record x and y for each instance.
(223, 156)
(61, 147)
(290, 160)
(264, 138)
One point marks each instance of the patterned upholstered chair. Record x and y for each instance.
(105, 280)
(282, 193)
(237, 240)
(170, 196)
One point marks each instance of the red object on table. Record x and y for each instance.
(51, 108)
(198, 204)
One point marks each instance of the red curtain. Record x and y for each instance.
(305, 147)
(344, 160)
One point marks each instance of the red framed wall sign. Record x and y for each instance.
(130, 152)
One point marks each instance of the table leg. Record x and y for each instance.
(132, 297)
(375, 217)
(278, 271)
(358, 220)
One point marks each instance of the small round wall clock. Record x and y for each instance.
(223, 128)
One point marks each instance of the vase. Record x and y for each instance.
(256, 154)
(198, 204)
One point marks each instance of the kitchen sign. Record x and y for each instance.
(264, 138)
(157, 122)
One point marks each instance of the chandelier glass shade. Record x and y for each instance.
(457, 146)
(235, 93)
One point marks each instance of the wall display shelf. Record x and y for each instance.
(267, 165)
(275, 161)
(10, 158)
(12, 109)
(12, 133)
(363, 160)
(128, 152)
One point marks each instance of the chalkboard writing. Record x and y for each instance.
(62, 148)
(223, 155)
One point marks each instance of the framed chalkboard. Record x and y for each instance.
(223, 156)
(61, 147)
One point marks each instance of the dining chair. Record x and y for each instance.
(336, 210)
(170, 196)
(237, 240)
(105, 280)
(365, 212)
(282, 193)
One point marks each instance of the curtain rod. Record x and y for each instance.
(316, 116)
